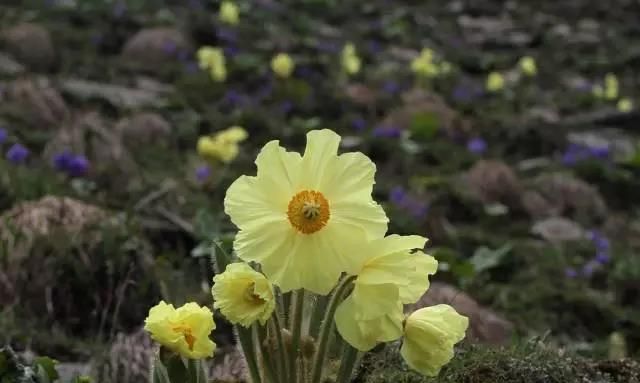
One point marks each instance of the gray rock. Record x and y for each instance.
(144, 128)
(558, 229)
(119, 96)
(37, 102)
(9, 67)
(31, 44)
(150, 48)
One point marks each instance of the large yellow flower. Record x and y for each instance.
(429, 336)
(222, 146)
(184, 331)
(243, 295)
(299, 213)
(392, 275)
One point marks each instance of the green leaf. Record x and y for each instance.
(425, 125)
(48, 365)
(159, 373)
(484, 258)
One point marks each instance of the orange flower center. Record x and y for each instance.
(251, 297)
(308, 211)
(187, 334)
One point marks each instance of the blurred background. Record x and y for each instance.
(505, 132)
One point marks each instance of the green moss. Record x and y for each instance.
(480, 364)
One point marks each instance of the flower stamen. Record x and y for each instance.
(308, 211)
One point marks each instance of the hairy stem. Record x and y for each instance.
(326, 328)
(246, 343)
(347, 363)
(297, 307)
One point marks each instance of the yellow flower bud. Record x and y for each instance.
(243, 295)
(424, 66)
(611, 86)
(212, 59)
(222, 146)
(184, 331)
(429, 336)
(282, 64)
(495, 82)
(528, 66)
(351, 63)
(625, 105)
(229, 13)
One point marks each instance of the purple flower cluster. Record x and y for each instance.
(602, 256)
(3, 135)
(359, 124)
(387, 131)
(576, 153)
(203, 172)
(477, 145)
(17, 154)
(399, 197)
(74, 165)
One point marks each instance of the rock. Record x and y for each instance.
(621, 146)
(130, 356)
(69, 371)
(417, 102)
(150, 48)
(31, 44)
(37, 102)
(144, 128)
(9, 67)
(118, 96)
(559, 194)
(485, 326)
(361, 94)
(558, 229)
(493, 181)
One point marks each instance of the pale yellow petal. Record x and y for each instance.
(418, 279)
(319, 158)
(371, 301)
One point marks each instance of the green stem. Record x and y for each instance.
(246, 343)
(327, 327)
(282, 351)
(319, 309)
(348, 361)
(267, 363)
(297, 306)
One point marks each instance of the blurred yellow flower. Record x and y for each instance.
(212, 59)
(222, 146)
(429, 336)
(495, 82)
(423, 65)
(243, 295)
(391, 275)
(184, 331)
(625, 105)
(296, 211)
(229, 13)
(611, 86)
(282, 64)
(351, 63)
(528, 66)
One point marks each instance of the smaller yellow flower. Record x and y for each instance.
(424, 66)
(222, 146)
(528, 66)
(282, 64)
(243, 295)
(495, 82)
(229, 13)
(213, 59)
(429, 336)
(625, 105)
(184, 331)
(611, 86)
(351, 63)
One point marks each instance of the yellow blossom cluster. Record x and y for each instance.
(425, 65)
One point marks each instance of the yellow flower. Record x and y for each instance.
(429, 336)
(212, 59)
(222, 146)
(610, 86)
(282, 64)
(365, 334)
(229, 13)
(350, 61)
(528, 66)
(392, 275)
(495, 82)
(299, 213)
(625, 105)
(243, 295)
(423, 65)
(184, 331)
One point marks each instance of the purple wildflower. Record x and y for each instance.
(466, 92)
(231, 50)
(203, 172)
(359, 124)
(599, 240)
(477, 145)
(3, 135)
(233, 97)
(391, 87)
(397, 195)
(602, 257)
(17, 153)
(601, 152)
(169, 47)
(78, 166)
(61, 160)
(227, 35)
(387, 131)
